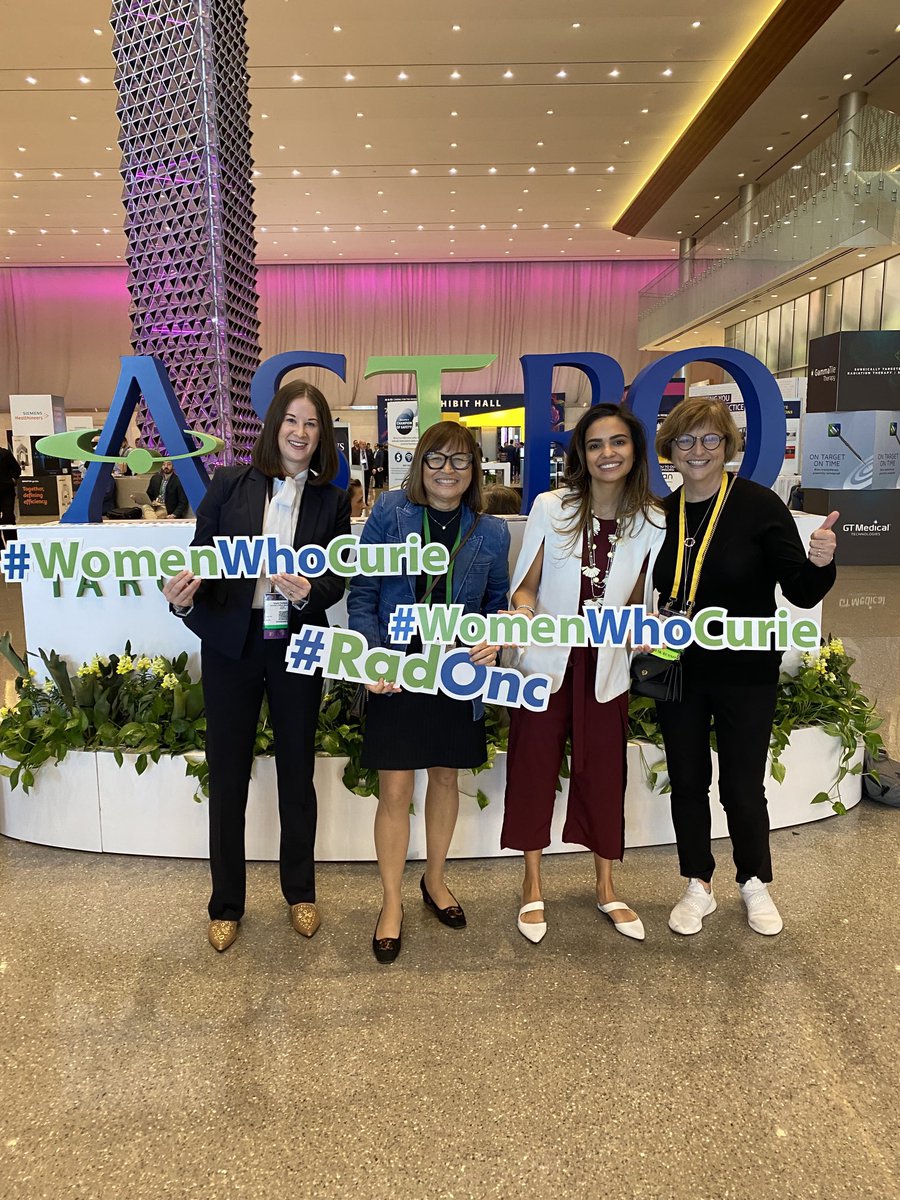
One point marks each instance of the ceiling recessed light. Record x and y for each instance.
(695, 24)
(797, 167)
(645, 110)
(72, 117)
(336, 29)
(413, 170)
(451, 226)
(83, 79)
(349, 77)
(403, 75)
(454, 114)
(30, 79)
(492, 170)
(862, 255)
(295, 78)
(740, 174)
(452, 171)
(531, 170)
(549, 112)
(455, 75)
(454, 145)
(99, 32)
(615, 72)
(610, 168)
(804, 116)
(420, 228)
(667, 71)
(358, 228)
(456, 28)
(812, 277)
(562, 74)
(545, 227)
(367, 146)
(18, 174)
(335, 171)
(849, 75)
(570, 170)
(482, 226)
(717, 197)
(507, 74)
(576, 24)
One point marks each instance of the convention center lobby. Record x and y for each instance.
(464, 226)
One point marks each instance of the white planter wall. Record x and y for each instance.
(89, 803)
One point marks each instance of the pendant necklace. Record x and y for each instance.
(592, 571)
(690, 541)
(443, 524)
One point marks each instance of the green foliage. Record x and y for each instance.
(824, 694)
(147, 706)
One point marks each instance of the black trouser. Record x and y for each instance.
(742, 715)
(7, 516)
(233, 691)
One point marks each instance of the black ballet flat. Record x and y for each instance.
(452, 916)
(386, 949)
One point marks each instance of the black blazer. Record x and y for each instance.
(176, 499)
(234, 506)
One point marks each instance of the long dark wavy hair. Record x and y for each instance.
(636, 499)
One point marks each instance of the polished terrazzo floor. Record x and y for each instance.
(138, 1063)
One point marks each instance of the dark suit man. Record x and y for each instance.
(165, 488)
(9, 473)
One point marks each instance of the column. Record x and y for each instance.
(181, 76)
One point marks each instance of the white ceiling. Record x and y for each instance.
(377, 151)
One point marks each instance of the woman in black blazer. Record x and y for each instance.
(286, 492)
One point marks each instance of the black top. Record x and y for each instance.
(756, 546)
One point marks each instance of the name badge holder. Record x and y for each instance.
(276, 615)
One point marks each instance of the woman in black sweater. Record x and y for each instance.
(751, 544)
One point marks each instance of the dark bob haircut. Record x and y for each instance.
(452, 438)
(323, 465)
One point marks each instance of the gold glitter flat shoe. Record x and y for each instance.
(222, 933)
(305, 919)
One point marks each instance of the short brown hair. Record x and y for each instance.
(502, 501)
(458, 440)
(694, 411)
(323, 465)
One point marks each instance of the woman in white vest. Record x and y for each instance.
(593, 542)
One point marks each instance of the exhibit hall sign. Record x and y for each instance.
(145, 378)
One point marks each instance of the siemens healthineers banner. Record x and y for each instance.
(851, 446)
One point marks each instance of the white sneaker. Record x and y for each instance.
(696, 903)
(762, 915)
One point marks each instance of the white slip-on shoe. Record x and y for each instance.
(533, 930)
(762, 915)
(632, 929)
(696, 903)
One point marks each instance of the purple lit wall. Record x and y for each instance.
(181, 76)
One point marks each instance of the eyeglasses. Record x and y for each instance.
(435, 460)
(710, 441)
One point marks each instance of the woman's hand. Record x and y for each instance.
(383, 688)
(181, 588)
(292, 587)
(823, 542)
(483, 655)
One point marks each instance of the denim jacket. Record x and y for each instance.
(480, 569)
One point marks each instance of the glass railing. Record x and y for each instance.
(843, 193)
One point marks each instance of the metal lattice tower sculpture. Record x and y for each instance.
(181, 76)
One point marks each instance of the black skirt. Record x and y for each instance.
(408, 731)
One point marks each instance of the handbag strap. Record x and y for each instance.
(435, 578)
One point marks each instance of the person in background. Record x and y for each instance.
(589, 544)
(502, 501)
(10, 472)
(243, 626)
(379, 467)
(407, 731)
(728, 543)
(166, 493)
(357, 500)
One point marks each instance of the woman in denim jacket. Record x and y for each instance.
(408, 731)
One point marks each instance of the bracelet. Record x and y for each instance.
(527, 607)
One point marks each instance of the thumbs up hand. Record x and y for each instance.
(822, 543)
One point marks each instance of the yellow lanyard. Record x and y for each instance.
(724, 488)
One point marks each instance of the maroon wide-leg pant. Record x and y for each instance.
(596, 812)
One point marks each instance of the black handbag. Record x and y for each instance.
(658, 678)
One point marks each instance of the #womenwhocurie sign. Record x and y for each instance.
(144, 377)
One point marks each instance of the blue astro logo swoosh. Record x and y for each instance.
(79, 444)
